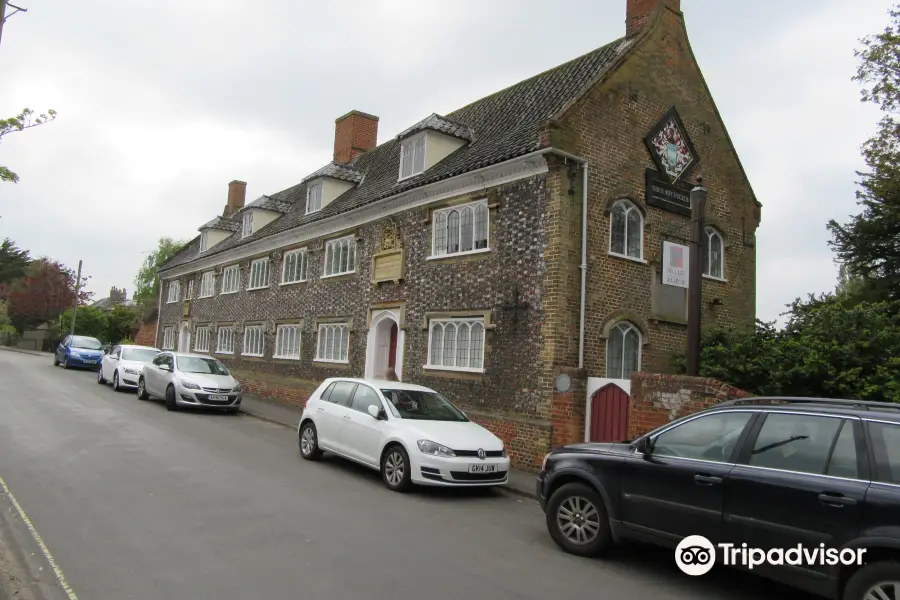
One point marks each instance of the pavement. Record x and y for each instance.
(132, 502)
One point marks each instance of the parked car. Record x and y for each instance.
(78, 351)
(123, 364)
(412, 434)
(184, 379)
(765, 472)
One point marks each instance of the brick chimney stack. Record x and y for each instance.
(638, 13)
(354, 133)
(237, 193)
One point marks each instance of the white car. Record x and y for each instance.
(184, 379)
(123, 365)
(412, 434)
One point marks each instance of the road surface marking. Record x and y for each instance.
(40, 542)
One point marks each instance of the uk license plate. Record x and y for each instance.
(89, 362)
(218, 398)
(482, 468)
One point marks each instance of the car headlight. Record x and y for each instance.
(189, 385)
(74, 354)
(130, 370)
(237, 388)
(435, 449)
(503, 451)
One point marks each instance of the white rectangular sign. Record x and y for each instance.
(675, 263)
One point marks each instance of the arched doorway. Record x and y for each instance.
(609, 414)
(385, 346)
(184, 338)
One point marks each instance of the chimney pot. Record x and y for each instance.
(354, 133)
(638, 13)
(237, 193)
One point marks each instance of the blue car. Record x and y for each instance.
(79, 351)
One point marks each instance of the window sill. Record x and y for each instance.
(223, 353)
(253, 355)
(312, 212)
(331, 361)
(293, 282)
(286, 357)
(458, 254)
(201, 350)
(333, 275)
(452, 369)
(626, 257)
(410, 176)
(202, 297)
(253, 289)
(717, 279)
(227, 293)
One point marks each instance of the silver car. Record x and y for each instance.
(183, 379)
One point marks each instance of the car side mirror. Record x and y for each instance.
(374, 411)
(644, 446)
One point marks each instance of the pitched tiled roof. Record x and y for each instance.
(270, 203)
(506, 124)
(440, 124)
(221, 223)
(336, 171)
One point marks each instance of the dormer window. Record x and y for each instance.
(314, 197)
(204, 242)
(412, 156)
(247, 224)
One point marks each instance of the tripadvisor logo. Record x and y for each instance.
(696, 555)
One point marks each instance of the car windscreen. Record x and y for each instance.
(198, 364)
(139, 354)
(424, 406)
(88, 343)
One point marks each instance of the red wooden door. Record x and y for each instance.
(392, 351)
(609, 414)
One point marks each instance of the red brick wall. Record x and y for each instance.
(657, 399)
(525, 441)
(295, 392)
(354, 133)
(146, 335)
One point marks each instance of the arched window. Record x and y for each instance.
(623, 351)
(714, 254)
(626, 230)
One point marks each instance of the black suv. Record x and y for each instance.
(768, 472)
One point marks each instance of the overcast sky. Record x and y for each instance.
(163, 102)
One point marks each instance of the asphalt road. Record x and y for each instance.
(135, 502)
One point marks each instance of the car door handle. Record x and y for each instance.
(836, 500)
(707, 479)
(347, 417)
(320, 409)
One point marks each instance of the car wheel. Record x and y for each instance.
(875, 581)
(116, 386)
(395, 469)
(309, 442)
(577, 520)
(55, 361)
(100, 379)
(142, 390)
(170, 399)
(66, 363)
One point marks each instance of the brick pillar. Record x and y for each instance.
(354, 133)
(567, 411)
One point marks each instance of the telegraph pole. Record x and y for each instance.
(695, 277)
(77, 291)
(3, 17)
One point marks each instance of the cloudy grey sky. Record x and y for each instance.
(162, 102)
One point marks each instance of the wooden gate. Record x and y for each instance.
(609, 414)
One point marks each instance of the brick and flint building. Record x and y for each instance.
(523, 255)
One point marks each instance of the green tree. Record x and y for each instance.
(89, 320)
(13, 262)
(146, 281)
(867, 243)
(22, 121)
(123, 322)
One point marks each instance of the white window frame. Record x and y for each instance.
(189, 292)
(413, 142)
(255, 335)
(629, 206)
(257, 281)
(174, 290)
(624, 327)
(280, 342)
(301, 268)
(351, 257)
(236, 279)
(314, 188)
(455, 325)
(207, 285)
(201, 339)
(440, 223)
(247, 224)
(331, 333)
(228, 338)
(168, 338)
(204, 241)
(710, 233)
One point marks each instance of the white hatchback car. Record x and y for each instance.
(123, 364)
(412, 434)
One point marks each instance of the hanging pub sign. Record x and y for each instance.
(676, 259)
(674, 156)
